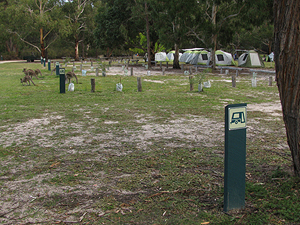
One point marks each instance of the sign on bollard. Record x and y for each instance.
(62, 80)
(235, 156)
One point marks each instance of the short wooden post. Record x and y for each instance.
(93, 85)
(97, 72)
(131, 71)
(237, 73)
(190, 70)
(91, 63)
(81, 67)
(160, 65)
(167, 65)
(163, 71)
(139, 84)
(270, 81)
(191, 83)
(233, 80)
(155, 63)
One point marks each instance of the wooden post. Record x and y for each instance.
(155, 63)
(190, 70)
(270, 81)
(93, 85)
(160, 65)
(233, 80)
(191, 83)
(91, 63)
(81, 67)
(97, 72)
(131, 71)
(237, 73)
(163, 71)
(167, 65)
(139, 84)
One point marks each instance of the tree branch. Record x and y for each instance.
(13, 32)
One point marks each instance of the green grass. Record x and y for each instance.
(84, 161)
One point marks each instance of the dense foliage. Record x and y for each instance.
(112, 27)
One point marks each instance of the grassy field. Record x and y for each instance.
(150, 157)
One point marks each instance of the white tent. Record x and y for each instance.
(189, 54)
(161, 57)
(271, 57)
(223, 58)
(201, 57)
(185, 56)
(171, 54)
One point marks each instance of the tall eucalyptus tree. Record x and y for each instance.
(35, 22)
(287, 60)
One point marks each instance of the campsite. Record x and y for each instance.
(149, 112)
(150, 157)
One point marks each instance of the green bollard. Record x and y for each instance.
(57, 68)
(62, 80)
(235, 156)
(49, 65)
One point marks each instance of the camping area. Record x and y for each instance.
(154, 156)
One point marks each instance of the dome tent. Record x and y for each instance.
(250, 59)
(171, 54)
(186, 56)
(161, 57)
(223, 58)
(189, 54)
(201, 58)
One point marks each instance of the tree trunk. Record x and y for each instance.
(214, 36)
(42, 43)
(76, 49)
(287, 61)
(148, 36)
(176, 58)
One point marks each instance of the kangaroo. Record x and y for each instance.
(27, 79)
(30, 73)
(37, 72)
(70, 75)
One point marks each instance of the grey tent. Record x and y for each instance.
(250, 59)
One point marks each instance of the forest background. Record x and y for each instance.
(89, 28)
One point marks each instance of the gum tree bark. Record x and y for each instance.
(287, 60)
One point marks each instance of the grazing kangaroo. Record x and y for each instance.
(27, 79)
(70, 75)
(30, 72)
(37, 72)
